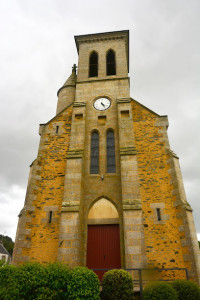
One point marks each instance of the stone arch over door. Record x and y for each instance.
(103, 238)
(103, 211)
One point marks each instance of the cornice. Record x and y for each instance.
(103, 79)
(104, 36)
(99, 39)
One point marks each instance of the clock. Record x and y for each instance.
(102, 104)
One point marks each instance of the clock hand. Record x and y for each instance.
(102, 104)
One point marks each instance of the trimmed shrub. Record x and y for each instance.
(52, 282)
(57, 277)
(186, 290)
(159, 291)
(117, 284)
(34, 281)
(83, 284)
(30, 278)
(8, 283)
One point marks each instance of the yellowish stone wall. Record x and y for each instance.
(163, 239)
(37, 239)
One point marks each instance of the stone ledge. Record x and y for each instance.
(70, 203)
(79, 104)
(70, 206)
(114, 77)
(128, 151)
(123, 100)
(184, 205)
(74, 208)
(162, 121)
(171, 153)
(42, 129)
(103, 221)
(75, 153)
(132, 205)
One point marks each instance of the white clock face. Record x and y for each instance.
(102, 104)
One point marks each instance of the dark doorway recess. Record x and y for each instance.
(103, 248)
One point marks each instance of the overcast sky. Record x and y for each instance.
(37, 51)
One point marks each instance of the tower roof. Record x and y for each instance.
(71, 81)
(88, 38)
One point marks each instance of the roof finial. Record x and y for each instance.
(74, 68)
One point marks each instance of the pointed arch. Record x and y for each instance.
(94, 155)
(110, 151)
(103, 209)
(110, 63)
(93, 64)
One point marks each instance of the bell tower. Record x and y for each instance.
(102, 127)
(105, 190)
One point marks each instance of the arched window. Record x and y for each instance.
(93, 68)
(110, 63)
(110, 139)
(94, 164)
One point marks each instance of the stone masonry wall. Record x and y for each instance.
(162, 240)
(187, 231)
(39, 241)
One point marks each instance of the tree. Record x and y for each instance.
(7, 243)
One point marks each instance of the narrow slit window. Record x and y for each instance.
(57, 129)
(94, 164)
(78, 117)
(158, 214)
(111, 168)
(93, 64)
(110, 63)
(125, 113)
(102, 120)
(50, 216)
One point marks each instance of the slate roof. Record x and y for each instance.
(3, 250)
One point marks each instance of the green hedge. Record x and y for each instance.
(186, 290)
(52, 282)
(117, 284)
(159, 291)
(34, 281)
(8, 284)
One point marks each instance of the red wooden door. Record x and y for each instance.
(103, 248)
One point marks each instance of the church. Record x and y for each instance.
(105, 190)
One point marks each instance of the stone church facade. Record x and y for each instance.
(106, 190)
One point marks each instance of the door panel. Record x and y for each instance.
(103, 247)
